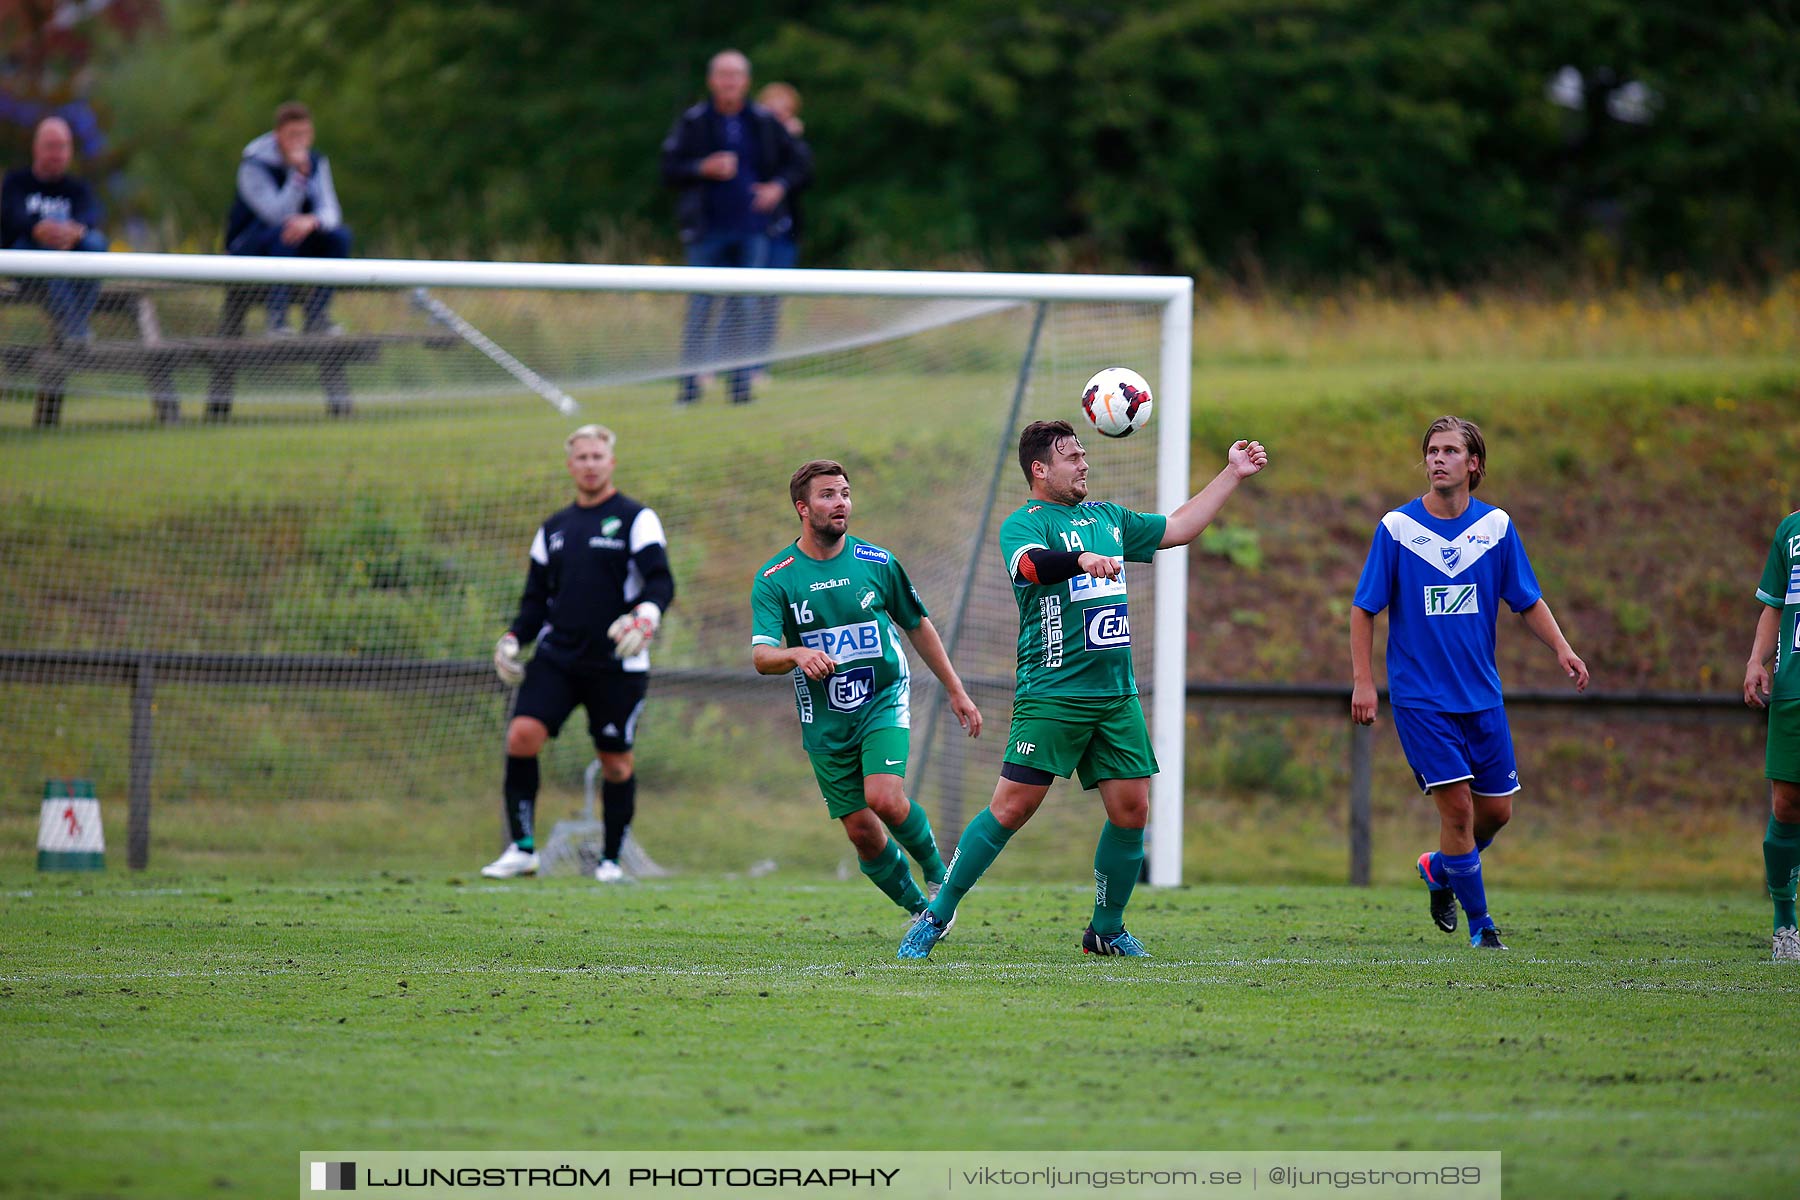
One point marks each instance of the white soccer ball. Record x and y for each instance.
(1117, 402)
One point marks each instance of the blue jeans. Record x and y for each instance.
(734, 336)
(264, 240)
(70, 302)
(783, 254)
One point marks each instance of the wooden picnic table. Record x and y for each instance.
(222, 355)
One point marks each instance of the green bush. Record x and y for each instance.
(1220, 137)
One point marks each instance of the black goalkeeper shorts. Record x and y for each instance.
(613, 699)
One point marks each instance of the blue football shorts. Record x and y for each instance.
(1444, 748)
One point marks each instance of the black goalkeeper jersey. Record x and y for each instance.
(589, 566)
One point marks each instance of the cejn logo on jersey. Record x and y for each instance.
(1451, 599)
(846, 643)
(850, 690)
(1107, 627)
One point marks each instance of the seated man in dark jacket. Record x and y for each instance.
(733, 163)
(286, 206)
(43, 207)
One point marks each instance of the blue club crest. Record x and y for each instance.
(1452, 555)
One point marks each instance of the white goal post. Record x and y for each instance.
(1172, 296)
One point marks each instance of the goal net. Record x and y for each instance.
(252, 577)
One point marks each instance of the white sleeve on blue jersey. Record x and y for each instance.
(540, 554)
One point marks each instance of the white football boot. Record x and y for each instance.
(512, 862)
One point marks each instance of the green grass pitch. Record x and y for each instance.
(184, 1036)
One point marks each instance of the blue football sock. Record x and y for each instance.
(1463, 871)
(1437, 869)
(1437, 858)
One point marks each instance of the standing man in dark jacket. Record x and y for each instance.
(287, 207)
(43, 207)
(782, 99)
(733, 164)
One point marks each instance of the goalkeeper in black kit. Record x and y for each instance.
(595, 593)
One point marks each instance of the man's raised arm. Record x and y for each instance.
(1243, 460)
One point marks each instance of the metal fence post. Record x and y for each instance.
(1361, 752)
(143, 763)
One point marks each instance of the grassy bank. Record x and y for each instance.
(1642, 442)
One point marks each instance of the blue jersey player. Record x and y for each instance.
(1442, 565)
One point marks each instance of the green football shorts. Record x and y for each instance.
(840, 772)
(1097, 738)
(1783, 761)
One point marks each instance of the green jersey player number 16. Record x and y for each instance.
(828, 610)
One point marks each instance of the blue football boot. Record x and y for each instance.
(1120, 943)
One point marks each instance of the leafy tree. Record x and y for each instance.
(1309, 139)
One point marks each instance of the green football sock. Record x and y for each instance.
(915, 836)
(976, 851)
(888, 872)
(1781, 866)
(1117, 860)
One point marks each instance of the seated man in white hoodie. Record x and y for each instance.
(285, 207)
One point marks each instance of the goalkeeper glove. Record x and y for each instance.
(506, 661)
(632, 632)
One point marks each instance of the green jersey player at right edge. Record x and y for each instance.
(1778, 634)
(1075, 705)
